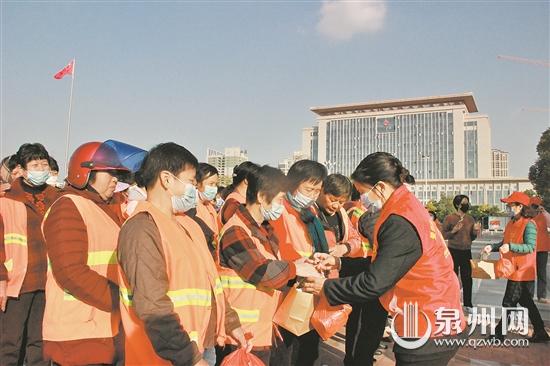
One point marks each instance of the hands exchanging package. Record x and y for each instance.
(312, 269)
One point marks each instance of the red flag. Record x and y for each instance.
(67, 70)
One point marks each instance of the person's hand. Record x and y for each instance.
(505, 248)
(202, 362)
(243, 339)
(3, 295)
(339, 250)
(487, 249)
(457, 227)
(313, 285)
(306, 269)
(325, 262)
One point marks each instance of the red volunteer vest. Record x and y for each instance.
(543, 237)
(255, 306)
(431, 282)
(294, 239)
(525, 264)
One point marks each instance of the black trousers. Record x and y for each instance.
(364, 330)
(296, 351)
(542, 261)
(521, 292)
(21, 330)
(427, 359)
(463, 268)
(222, 352)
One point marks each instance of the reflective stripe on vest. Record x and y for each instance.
(15, 239)
(248, 316)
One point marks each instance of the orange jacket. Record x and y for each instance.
(294, 239)
(255, 306)
(525, 264)
(193, 287)
(431, 282)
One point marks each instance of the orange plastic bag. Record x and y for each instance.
(241, 358)
(327, 319)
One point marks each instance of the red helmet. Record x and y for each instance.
(89, 157)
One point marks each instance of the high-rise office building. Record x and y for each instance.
(500, 163)
(226, 161)
(440, 137)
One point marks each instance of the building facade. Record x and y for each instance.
(440, 137)
(499, 163)
(285, 164)
(481, 191)
(226, 161)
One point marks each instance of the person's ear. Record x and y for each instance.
(165, 179)
(260, 198)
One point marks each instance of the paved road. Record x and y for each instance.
(485, 293)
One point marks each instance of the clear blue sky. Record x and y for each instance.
(245, 74)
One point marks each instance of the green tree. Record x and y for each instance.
(530, 192)
(444, 207)
(539, 173)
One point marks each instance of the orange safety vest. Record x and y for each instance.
(431, 282)
(525, 265)
(207, 213)
(294, 239)
(14, 217)
(255, 305)
(354, 214)
(65, 317)
(193, 287)
(543, 237)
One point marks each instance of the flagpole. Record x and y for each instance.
(69, 119)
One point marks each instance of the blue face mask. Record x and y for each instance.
(368, 203)
(300, 200)
(187, 200)
(209, 193)
(274, 212)
(38, 177)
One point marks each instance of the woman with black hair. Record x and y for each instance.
(236, 191)
(300, 234)
(251, 269)
(207, 188)
(518, 246)
(460, 229)
(411, 265)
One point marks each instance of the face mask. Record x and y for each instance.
(187, 200)
(209, 193)
(52, 181)
(300, 200)
(136, 194)
(274, 212)
(511, 212)
(38, 177)
(465, 207)
(367, 202)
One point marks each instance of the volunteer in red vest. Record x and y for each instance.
(410, 265)
(237, 190)
(366, 322)
(81, 320)
(300, 234)
(172, 303)
(23, 260)
(543, 246)
(519, 246)
(252, 271)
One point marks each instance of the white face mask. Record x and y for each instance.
(209, 193)
(274, 212)
(52, 181)
(38, 177)
(300, 200)
(136, 193)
